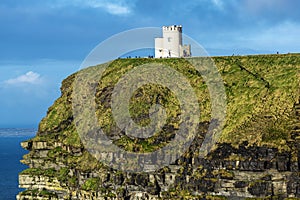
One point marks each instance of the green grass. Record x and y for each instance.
(92, 184)
(37, 172)
(257, 112)
(39, 193)
(261, 91)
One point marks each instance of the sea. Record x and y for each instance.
(11, 153)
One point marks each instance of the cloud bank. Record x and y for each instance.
(28, 78)
(114, 7)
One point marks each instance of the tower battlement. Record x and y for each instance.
(172, 28)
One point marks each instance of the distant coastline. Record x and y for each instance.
(17, 132)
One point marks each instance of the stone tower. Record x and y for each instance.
(170, 45)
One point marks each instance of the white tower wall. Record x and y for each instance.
(159, 46)
(172, 39)
(170, 45)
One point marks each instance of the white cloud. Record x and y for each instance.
(218, 3)
(28, 78)
(117, 9)
(256, 6)
(283, 37)
(114, 7)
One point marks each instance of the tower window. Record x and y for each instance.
(169, 39)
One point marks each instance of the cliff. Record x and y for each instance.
(256, 157)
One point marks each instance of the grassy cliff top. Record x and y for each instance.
(261, 93)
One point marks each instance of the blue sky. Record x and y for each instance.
(41, 42)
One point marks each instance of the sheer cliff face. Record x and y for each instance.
(257, 155)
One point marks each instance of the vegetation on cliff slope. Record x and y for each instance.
(261, 92)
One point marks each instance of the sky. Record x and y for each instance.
(42, 42)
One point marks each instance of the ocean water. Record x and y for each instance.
(10, 155)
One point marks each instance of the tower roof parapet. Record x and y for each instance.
(172, 28)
